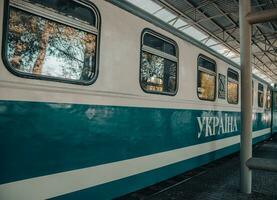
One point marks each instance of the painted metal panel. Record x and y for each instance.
(43, 138)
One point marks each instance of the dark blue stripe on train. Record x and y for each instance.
(44, 138)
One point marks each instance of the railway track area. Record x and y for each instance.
(216, 180)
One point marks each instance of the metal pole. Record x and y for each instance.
(262, 16)
(246, 93)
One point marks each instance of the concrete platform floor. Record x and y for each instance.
(221, 181)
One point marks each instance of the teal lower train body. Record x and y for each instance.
(72, 151)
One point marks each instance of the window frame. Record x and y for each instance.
(198, 76)
(58, 18)
(233, 71)
(159, 54)
(262, 96)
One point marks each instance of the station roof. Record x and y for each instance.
(215, 24)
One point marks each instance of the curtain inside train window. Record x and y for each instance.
(260, 95)
(232, 86)
(158, 69)
(206, 79)
(54, 40)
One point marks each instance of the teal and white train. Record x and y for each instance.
(97, 102)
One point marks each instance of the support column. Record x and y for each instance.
(246, 99)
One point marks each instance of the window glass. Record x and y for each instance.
(268, 98)
(221, 86)
(69, 8)
(159, 44)
(158, 72)
(233, 86)
(206, 83)
(37, 46)
(260, 95)
(207, 64)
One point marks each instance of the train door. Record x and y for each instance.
(274, 112)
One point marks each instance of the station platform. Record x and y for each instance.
(219, 180)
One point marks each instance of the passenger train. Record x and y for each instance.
(97, 101)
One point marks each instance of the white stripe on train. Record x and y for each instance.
(53, 185)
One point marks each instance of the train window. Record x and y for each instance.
(260, 95)
(158, 68)
(268, 98)
(206, 79)
(221, 86)
(232, 86)
(53, 40)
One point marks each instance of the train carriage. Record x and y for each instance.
(96, 102)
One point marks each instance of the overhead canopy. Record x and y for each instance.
(215, 23)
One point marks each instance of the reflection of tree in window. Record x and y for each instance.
(44, 47)
(232, 92)
(206, 78)
(207, 85)
(233, 86)
(152, 72)
(157, 73)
